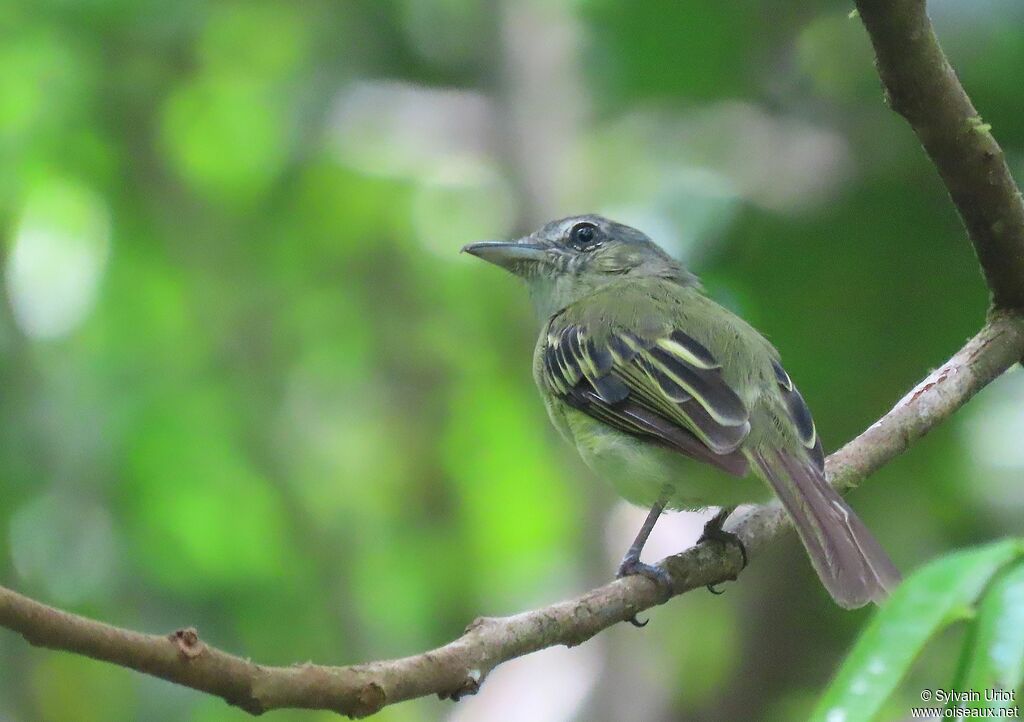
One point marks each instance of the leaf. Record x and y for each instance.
(995, 658)
(935, 596)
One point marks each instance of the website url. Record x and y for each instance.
(950, 713)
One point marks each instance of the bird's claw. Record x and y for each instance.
(713, 532)
(632, 567)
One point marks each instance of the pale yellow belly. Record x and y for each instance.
(639, 471)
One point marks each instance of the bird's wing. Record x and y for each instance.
(801, 416)
(661, 385)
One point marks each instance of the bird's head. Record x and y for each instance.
(570, 258)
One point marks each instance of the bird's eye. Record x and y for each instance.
(583, 236)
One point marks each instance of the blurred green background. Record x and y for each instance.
(247, 382)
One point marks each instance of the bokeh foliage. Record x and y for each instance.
(247, 382)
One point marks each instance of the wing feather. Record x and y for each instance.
(801, 415)
(705, 385)
(667, 387)
(641, 421)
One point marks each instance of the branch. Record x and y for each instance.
(922, 86)
(459, 667)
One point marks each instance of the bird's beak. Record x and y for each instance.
(514, 256)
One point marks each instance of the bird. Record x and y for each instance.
(645, 374)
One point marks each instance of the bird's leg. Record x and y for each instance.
(631, 563)
(713, 532)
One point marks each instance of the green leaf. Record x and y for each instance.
(935, 596)
(995, 659)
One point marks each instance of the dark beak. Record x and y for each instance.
(513, 256)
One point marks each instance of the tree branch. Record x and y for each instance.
(459, 667)
(920, 85)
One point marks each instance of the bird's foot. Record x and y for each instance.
(631, 565)
(713, 532)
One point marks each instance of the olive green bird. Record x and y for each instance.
(642, 373)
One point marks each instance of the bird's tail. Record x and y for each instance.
(848, 559)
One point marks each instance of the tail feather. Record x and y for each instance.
(850, 562)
